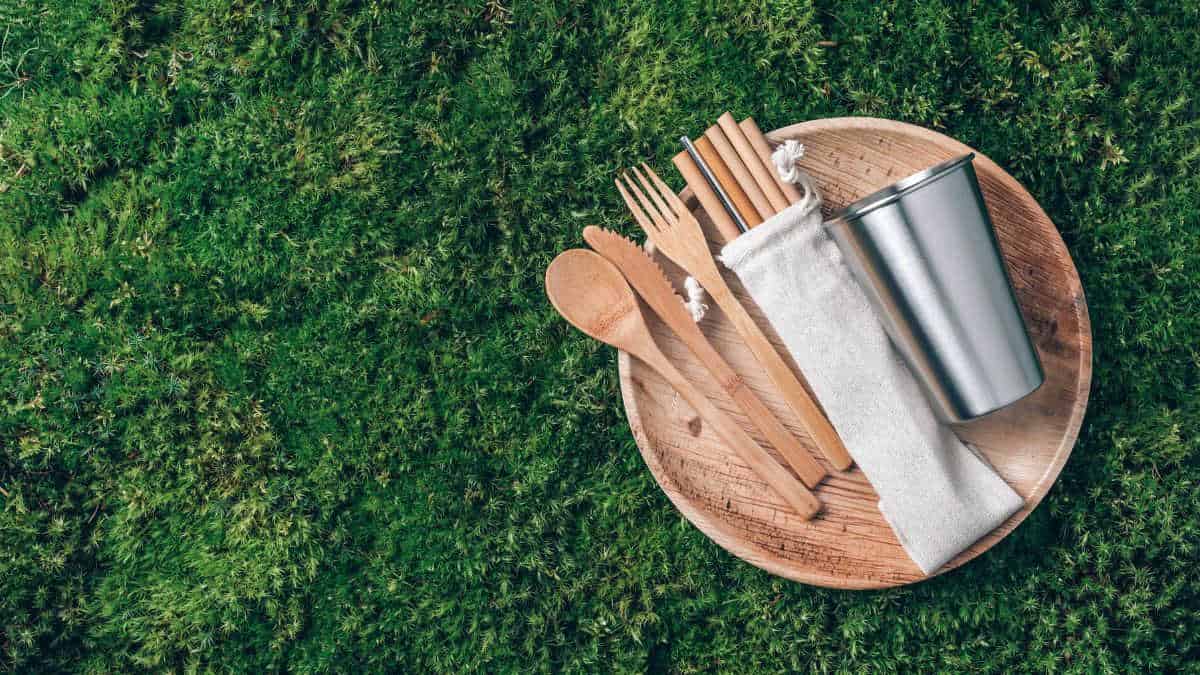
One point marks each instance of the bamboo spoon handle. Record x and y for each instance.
(761, 172)
(799, 497)
(741, 174)
(793, 453)
(763, 150)
(794, 393)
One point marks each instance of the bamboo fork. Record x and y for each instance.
(675, 231)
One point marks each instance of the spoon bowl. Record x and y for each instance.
(591, 294)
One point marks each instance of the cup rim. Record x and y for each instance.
(895, 191)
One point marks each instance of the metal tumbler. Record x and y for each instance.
(925, 252)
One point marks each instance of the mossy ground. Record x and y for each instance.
(279, 386)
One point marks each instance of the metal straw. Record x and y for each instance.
(712, 182)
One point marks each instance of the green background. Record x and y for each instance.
(279, 386)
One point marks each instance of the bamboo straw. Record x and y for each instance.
(761, 172)
(741, 174)
(709, 178)
(708, 199)
(763, 149)
(728, 183)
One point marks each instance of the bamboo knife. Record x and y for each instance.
(651, 283)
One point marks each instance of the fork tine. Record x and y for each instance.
(638, 214)
(672, 198)
(665, 210)
(645, 202)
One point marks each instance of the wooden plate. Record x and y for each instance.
(850, 545)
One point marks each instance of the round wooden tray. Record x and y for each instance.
(849, 545)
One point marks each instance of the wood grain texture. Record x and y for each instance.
(677, 233)
(849, 545)
(647, 278)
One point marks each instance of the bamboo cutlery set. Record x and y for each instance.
(730, 172)
(898, 310)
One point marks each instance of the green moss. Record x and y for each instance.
(279, 387)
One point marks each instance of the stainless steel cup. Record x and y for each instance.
(925, 253)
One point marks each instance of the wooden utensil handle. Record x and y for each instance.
(793, 452)
(793, 491)
(648, 280)
(793, 392)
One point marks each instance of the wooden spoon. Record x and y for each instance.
(590, 293)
